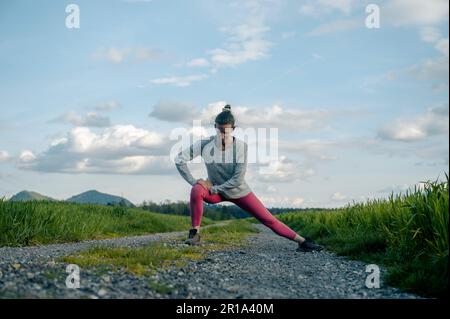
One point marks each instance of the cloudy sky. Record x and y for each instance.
(360, 111)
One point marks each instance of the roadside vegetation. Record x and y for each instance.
(408, 234)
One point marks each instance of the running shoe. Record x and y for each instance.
(309, 245)
(193, 238)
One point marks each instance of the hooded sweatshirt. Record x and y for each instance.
(226, 169)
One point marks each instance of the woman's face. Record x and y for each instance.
(223, 130)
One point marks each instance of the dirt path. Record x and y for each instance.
(268, 268)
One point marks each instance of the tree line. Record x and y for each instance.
(213, 211)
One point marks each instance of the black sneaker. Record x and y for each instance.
(194, 237)
(309, 245)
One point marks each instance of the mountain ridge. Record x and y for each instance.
(91, 196)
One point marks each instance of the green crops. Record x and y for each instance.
(408, 234)
(43, 222)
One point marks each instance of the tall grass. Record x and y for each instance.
(43, 222)
(407, 233)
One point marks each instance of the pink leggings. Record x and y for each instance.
(249, 203)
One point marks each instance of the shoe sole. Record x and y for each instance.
(193, 243)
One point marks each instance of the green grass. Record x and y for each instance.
(229, 235)
(139, 261)
(144, 261)
(408, 234)
(45, 222)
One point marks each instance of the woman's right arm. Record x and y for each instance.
(185, 156)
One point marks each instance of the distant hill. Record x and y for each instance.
(27, 195)
(95, 197)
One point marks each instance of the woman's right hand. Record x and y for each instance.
(205, 183)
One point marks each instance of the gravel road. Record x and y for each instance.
(268, 268)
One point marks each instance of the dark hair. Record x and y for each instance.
(225, 117)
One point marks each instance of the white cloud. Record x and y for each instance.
(117, 55)
(91, 119)
(107, 106)
(433, 122)
(117, 137)
(274, 116)
(181, 81)
(4, 156)
(283, 118)
(415, 12)
(338, 197)
(282, 201)
(246, 35)
(26, 156)
(208, 113)
(143, 164)
(117, 149)
(442, 47)
(322, 7)
(297, 201)
(430, 34)
(143, 54)
(261, 187)
(344, 6)
(173, 111)
(393, 12)
(198, 63)
(427, 149)
(284, 170)
(434, 69)
(113, 55)
(336, 26)
(313, 150)
(246, 42)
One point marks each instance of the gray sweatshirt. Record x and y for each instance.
(226, 169)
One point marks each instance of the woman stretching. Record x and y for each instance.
(226, 181)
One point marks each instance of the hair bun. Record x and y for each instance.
(226, 108)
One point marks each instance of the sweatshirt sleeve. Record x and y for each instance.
(185, 156)
(238, 175)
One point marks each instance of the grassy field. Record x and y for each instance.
(44, 222)
(407, 233)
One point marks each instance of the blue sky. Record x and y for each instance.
(360, 112)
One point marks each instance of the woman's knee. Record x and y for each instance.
(197, 191)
